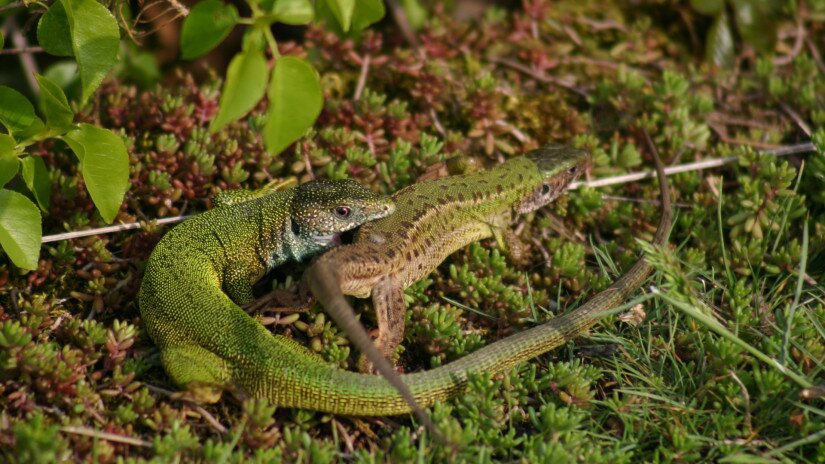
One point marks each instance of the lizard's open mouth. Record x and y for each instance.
(329, 239)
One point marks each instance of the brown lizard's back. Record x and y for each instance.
(432, 220)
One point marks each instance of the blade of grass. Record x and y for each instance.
(803, 261)
(715, 326)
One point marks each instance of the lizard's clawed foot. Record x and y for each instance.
(281, 300)
(367, 367)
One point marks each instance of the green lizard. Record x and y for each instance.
(205, 267)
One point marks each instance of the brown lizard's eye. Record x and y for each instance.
(342, 211)
(545, 189)
(573, 170)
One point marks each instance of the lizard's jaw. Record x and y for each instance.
(328, 240)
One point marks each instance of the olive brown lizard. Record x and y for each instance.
(345, 392)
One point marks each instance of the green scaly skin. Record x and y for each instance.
(205, 267)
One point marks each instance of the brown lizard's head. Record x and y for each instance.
(323, 209)
(558, 166)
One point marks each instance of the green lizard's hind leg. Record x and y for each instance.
(390, 309)
(203, 374)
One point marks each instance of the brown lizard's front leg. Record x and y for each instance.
(294, 299)
(390, 309)
(516, 248)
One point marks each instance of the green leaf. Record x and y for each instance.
(245, 86)
(295, 12)
(2, 40)
(54, 104)
(719, 48)
(16, 111)
(104, 164)
(36, 177)
(8, 159)
(708, 7)
(416, 14)
(20, 230)
(366, 13)
(295, 100)
(95, 41)
(64, 74)
(54, 33)
(208, 23)
(342, 10)
(756, 23)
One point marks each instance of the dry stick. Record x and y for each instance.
(687, 167)
(89, 432)
(634, 176)
(26, 58)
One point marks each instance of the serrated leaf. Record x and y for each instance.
(53, 31)
(719, 48)
(708, 7)
(95, 41)
(295, 101)
(16, 111)
(54, 104)
(756, 23)
(104, 164)
(295, 12)
(20, 230)
(36, 177)
(8, 159)
(342, 10)
(208, 23)
(245, 86)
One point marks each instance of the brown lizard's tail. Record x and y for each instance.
(372, 395)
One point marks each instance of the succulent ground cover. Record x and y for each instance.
(723, 364)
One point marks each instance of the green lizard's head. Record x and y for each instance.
(558, 165)
(323, 209)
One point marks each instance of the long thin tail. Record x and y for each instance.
(424, 388)
(323, 282)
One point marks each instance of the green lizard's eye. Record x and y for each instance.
(573, 170)
(545, 189)
(342, 211)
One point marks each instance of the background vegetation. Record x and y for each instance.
(726, 364)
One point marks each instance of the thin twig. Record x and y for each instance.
(746, 396)
(18, 51)
(109, 229)
(10, 6)
(362, 77)
(539, 76)
(26, 59)
(796, 117)
(403, 23)
(705, 164)
(89, 432)
(623, 179)
(210, 419)
(797, 46)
